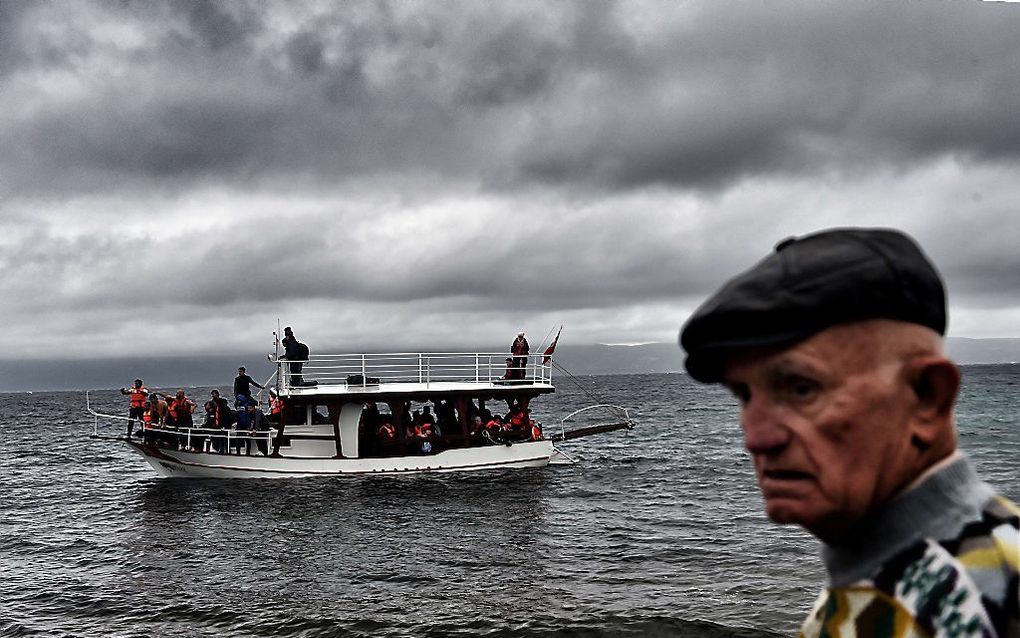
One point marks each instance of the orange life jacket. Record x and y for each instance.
(275, 405)
(178, 407)
(536, 432)
(425, 430)
(387, 431)
(138, 397)
(147, 416)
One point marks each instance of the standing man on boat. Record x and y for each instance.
(138, 393)
(243, 383)
(519, 349)
(295, 352)
(833, 347)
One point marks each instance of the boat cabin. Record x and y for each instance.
(335, 405)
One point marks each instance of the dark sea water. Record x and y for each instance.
(656, 532)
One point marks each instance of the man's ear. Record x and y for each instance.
(935, 382)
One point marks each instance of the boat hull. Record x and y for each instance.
(171, 463)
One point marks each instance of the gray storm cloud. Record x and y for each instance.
(596, 160)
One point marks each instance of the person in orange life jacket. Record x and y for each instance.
(519, 348)
(275, 407)
(493, 429)
(386, 432)
(179, 410)
(137, 410)
(243, 383)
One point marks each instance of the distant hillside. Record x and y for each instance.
(968, 351)
(595, 359)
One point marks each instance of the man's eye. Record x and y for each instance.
(801, 386)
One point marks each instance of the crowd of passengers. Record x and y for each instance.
(170, 421)
(425, 432)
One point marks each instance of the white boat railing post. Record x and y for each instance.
(478, 372)
(420, 369)
(364, 379)
(188, 440)
(428, 370)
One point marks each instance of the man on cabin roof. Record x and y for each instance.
(295, 352)
(833, 347)
(519, 348)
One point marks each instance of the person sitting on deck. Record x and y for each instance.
(385, 438)
(137, 392)
(476, 428)
(494, 429)
(386, 433)
(515, 424)
(511, 371)
(412, 430)
(427, 435)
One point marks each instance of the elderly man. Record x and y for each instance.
(833, 347)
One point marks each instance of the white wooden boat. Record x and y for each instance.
(328, 426)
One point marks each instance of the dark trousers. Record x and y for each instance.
(295, 373)
(134, 413)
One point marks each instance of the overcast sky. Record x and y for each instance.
(176, 176)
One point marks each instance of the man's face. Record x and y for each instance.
(826, 423)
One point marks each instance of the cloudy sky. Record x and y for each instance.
(176, 176)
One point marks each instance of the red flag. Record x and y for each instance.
(547, 355)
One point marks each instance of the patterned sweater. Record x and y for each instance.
(942, 560)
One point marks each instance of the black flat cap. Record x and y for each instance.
(812, 283)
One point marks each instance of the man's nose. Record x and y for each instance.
(763, 428)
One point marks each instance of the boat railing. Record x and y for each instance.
(362, 370)
(185, 435)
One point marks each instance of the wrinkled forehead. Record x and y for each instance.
(845, 349)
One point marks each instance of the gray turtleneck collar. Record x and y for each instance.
(937, 508)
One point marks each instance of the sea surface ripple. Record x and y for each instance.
(655, 532)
